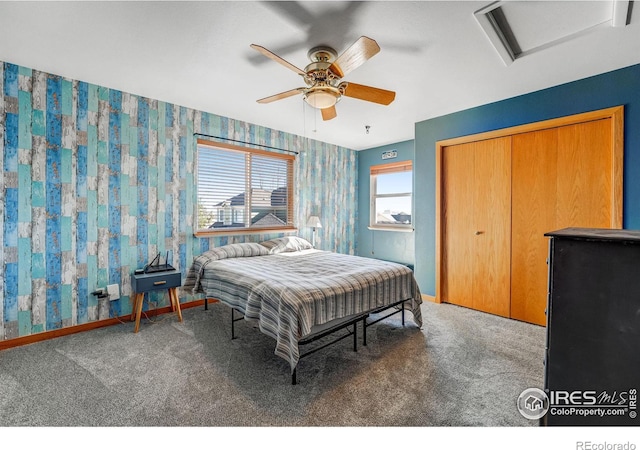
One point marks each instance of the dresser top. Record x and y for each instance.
(597, 234)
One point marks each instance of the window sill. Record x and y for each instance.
(398, 229)
(239, 231)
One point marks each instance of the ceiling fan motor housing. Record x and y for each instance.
(323, 91)
(322, 76)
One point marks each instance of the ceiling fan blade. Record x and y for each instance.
(276, 58)
(329, 113)
(353, 57)
(281, 95)
(368, 93)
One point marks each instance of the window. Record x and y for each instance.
(243, 190)
(391, 191)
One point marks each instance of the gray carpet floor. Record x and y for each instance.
(463, 368)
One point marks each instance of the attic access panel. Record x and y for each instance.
(519, 28)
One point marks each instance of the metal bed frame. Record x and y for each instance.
(351, 321)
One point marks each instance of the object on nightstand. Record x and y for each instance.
(154, 266)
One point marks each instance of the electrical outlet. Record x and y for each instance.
(114, 291)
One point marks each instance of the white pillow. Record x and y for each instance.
(286, 244)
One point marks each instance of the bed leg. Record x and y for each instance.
(403, 314)
(206, 303)
(233, 331)
(364, 332)
(355, 336)
(293, 377)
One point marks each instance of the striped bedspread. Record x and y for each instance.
(289, 293)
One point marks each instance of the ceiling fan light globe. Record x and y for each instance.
(321, 99)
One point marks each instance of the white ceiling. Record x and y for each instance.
(434, 54)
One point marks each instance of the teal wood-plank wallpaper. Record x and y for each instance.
(96, 181)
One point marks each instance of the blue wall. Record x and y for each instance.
(95, 181)
(391, 245)
(620, 87)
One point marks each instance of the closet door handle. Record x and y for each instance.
(477, 233)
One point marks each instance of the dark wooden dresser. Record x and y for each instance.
(592, 361)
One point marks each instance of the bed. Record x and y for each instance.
(295, 292)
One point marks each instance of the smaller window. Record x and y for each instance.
(391, 192)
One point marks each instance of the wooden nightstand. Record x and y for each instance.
(147, 282)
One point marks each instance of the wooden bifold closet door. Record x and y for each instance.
(477, 213)
(562, 178)
(498, 196)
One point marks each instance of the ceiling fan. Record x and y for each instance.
(324, 74)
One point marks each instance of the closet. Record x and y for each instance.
(500, 192)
